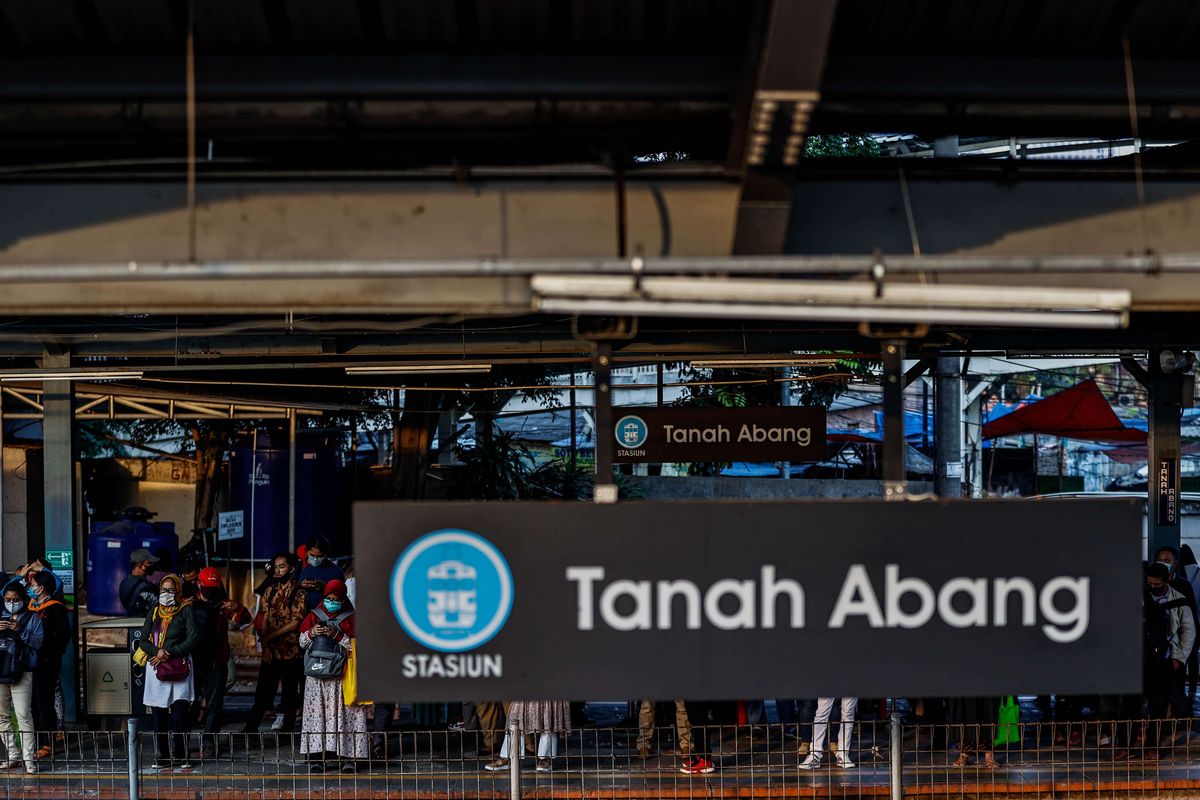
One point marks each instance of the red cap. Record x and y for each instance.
(336, 588)
(210, 577)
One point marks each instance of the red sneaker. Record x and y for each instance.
(697, 766)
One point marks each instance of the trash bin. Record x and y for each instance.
(113, 684)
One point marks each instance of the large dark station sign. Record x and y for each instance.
(710, 600)
(762, 433)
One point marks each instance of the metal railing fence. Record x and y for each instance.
(886, 759)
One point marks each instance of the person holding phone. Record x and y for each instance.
(331, 729)
(23, 630)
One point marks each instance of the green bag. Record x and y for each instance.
(1007, 730)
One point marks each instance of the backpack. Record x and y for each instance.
(14, 657)
(325, 658)
(1156, 629)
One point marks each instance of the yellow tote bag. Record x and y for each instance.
(350, 679)
(139, 657)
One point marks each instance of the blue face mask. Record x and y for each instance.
(333, 606)
(32, 591)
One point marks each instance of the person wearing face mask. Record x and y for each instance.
(331, 729)
(215, 615)
(1169, 634)
(282, 608)
(138, 593)
(318, 570)
(57, 637)
(24, 630)
(169, 638)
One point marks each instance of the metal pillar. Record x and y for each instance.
(291, 479)
(3, 531)
(1166, 410)
(574, 419)
(973, 424)
(896, 758)
(58, 488)
(516, 749)
(785, 400)
(1168, 380)
(894, 476)
(132, 751)
(947, 421)
(604, 491)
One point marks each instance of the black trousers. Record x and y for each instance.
(210, 690)
(1164, 690)
(170, 727)
(380, 723)
(799, 713)
(272, 674)
(45, 678)
(698, 715)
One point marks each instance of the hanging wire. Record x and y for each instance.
(1139, 182)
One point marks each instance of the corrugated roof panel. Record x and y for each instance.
(231, 25)
(137, 22)
(314, 21)
(37, 23)
(425, 21)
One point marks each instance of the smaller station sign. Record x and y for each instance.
(764, 433)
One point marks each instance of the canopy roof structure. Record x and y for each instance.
(1081, 412)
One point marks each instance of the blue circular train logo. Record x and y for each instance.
(632, 432)
(452, 590)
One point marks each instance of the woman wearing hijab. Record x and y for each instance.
(16, 681)
(169, 636)
(331, 729)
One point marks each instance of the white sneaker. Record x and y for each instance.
(813, 761)
(844, 761)
(278, 723)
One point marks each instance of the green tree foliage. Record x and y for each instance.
(843, 145)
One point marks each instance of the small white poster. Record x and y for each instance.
(229, 526)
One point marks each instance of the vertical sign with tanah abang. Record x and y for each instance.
(1167, 479)
(757, 433)
(708, 600)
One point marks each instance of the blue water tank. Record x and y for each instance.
(109, 546)
(259, 481)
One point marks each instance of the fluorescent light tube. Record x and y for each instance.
(411, 369)
(828, 313)
(799, 361)
(829, 292)
(69, 375)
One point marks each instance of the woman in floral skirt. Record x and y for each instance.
(546, 718)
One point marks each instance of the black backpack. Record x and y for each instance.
(1156, 627)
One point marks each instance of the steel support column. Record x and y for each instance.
(1166, 411)
(605, 491)
(947, 416)
(58, 487)
(1170, 385)
(894, 475)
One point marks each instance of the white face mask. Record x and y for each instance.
(166, 598)
(12, 606)
(316, 561)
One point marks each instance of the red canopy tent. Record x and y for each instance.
(1081, 412)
